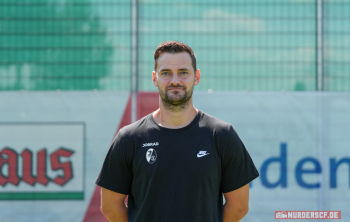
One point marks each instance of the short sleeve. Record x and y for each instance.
(238, 168)
(116, 171)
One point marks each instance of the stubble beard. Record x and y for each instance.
(175, 103)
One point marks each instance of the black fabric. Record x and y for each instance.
(186, 171)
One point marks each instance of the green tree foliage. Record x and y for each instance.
(52, 44)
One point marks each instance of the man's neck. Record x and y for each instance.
(175, 119)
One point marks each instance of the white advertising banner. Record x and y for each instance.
(52, 145)
(39, 149)
(300, 144)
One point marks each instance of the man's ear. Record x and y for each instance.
(154, 78)
(197, 77)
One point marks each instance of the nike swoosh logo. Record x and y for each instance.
(201, 155)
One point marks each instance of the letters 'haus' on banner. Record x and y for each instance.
(41, 161)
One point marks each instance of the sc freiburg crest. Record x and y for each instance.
(151, 156)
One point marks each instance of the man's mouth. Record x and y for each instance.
(175, 88)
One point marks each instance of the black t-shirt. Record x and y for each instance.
(176, 174)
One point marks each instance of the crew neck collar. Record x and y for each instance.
(179, 130)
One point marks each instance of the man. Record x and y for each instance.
(176, 163)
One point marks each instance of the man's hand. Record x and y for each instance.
(236, 206)
(113, 206)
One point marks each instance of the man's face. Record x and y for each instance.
(175, 77)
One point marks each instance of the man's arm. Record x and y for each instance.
(236, 206)
(113, 206)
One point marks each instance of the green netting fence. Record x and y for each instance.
(261, 45)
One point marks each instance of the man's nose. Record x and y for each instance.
(175, 79)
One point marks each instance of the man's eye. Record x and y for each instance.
(165, 73)
(183, 73)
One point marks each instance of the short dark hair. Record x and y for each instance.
(174, 47)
